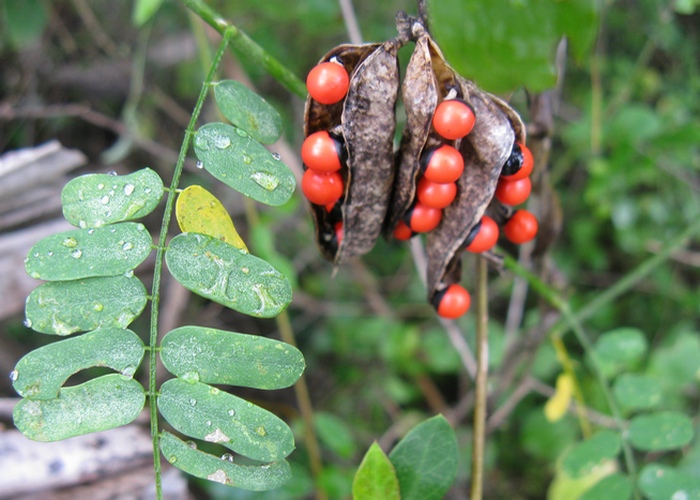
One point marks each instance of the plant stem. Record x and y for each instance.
(243, 43)
(160, 254)
(482, 359)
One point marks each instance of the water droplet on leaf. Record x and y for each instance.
(128, 189)
(68, 242)
(241, 132)
(247, 159)
(231, 412)
(27, 322)
(227, 456)
(104, 200)
(100, 186)
(127, 246)
(112, 173)
(13, 375)
(193, 402)
(77, 254)
(199, 164)
(222, 142)
(265, 180)
(191, 444)
(277, 156)
(98, 307)
(260, 431)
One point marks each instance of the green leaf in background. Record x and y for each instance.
(248, 111)
(65, 307)
(376, 477)
(677, 363)
(97, 405)
(25, 21)
(505, 44)
(199, 211)
(660, 482)
(620, 349)
(234, 278)
(205, 412)
(661, 431)
(637, 392)
(616, 486)
(242, 163)
(85, 253)
(426, 460)
(335, 434)
(41, 373)
(223, 470)
(94, 200)
(262, 239)
(144, 10)
(565, 487)
(586, 455)
(221, 357)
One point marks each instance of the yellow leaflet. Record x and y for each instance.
(556, 406)
(199, 211)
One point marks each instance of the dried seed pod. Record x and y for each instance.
(365, 121)
(430, 80)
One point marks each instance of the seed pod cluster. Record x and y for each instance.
(462, 150)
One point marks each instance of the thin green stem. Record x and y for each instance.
(481, 389)
(241, 42)
(160, 254)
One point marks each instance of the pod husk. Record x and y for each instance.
(366, 121)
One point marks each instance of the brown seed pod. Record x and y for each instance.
(365, 121)
(429, 80)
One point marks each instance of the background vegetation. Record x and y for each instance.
(621, 184)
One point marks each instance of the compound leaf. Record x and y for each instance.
(65, 307)
(205, 412)
(203, 465)
(660, 431)
(242, 163)
(97, 405)
(94, 200)
(426, 460)
(85, 253)
(586, 455)
(376, 477)
(41, 373)
(221, 357)
(227, 275)
(199, 211)
(248, 111)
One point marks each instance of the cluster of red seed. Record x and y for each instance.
(441, 167)
(322, 183)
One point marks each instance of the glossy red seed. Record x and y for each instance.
(435, 195)
(328, 82)
(525, 169)
(322, 189)
(486, 237)
(513, 192)
(423, 219)
(454, 303)
(521, 227)
(320, 152)
(453, 119)
(402, 232)
(444, 165)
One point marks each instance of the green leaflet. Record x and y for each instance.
(97, 405)
(660, 482)
(616, 486)
(205, 412)
(376, 477)
(203, 465)
(242, 163)
(660, 431)
(220, 357)
(584, 456)
(636, 391)
(227, 275)
(41, 373)
(84, 253)
(65, 307)
(620, 349)
(95, 200)
(426, 460)
(248, 111)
